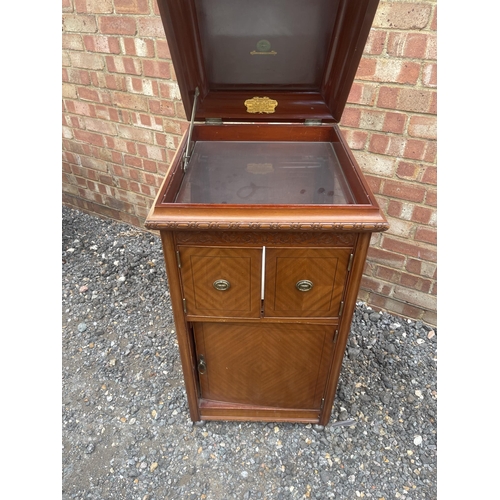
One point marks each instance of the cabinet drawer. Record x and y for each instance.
(305, 282)
(222, 282)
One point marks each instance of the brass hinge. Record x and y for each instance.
(213, 121)
(322, 404)
(341, 308)
(184, 306)
(178, 255)
(336, 336)
(312, 122)
(349, 265)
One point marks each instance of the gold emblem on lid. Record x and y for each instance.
(260, 105)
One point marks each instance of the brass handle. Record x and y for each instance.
(221, 285)
(202, 366)
(304, 285)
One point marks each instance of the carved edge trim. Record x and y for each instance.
(268, 226)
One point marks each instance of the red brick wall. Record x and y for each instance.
(123, 119)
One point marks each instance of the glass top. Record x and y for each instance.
(264, 173)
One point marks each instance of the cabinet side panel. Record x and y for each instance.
(184, 336)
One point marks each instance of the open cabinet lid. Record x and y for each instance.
(266, 60)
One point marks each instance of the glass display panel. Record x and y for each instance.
(259, 42)
(235, 172)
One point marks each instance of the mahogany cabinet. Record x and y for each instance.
(265, 216)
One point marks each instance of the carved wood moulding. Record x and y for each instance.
(267, 226)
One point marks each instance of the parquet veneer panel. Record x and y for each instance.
(264, 365)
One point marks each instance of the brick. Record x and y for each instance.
(406, 16)
(141, 47)
(69, 91)
(376, 164)
(72, 41)
(403, 210)
(384, 257)
(128, 65)
(429, 75)
(86, 61)
(418, 101)
(121, 145)
(415, 297)
(141, 86)
(162, 49)
(150, 27)
(424, 127)
(426, 235)
(404, 190)
(131, 6)
(151, 152)
(363, 93)
(415, 282)
(372, 119)
(94, 164)
(79, 76)
(400, 228)
(387, 145)
(394, 122)
(106, 44)
(159, 69)
(351, 117)
(375, 183)
(356, 138)
(162, 107)
(430, 175)
(117, 25)
(104, 127)
(397, 71)
(136, 102)
(115, 82)
(79, 23)
(67, 6)
(135, 134)
(89, 137)
(88, 94)
(376, 41)
(416, 250)
(366, 69)
(170, 90)
(431, 197)
(408, 170)
(94, 6)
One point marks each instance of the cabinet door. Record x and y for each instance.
(272, 365)
(305, 282)
(222, 282)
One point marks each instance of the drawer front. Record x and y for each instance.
(305, 282)
(274, 365)
(223, 282)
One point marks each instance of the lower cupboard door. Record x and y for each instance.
(271, 365)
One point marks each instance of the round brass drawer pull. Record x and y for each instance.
(222, 285)
(304, 285)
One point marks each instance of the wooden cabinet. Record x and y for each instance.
(264, 214)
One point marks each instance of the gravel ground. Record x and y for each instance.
(126, 432)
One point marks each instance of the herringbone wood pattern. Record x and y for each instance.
(201, 266)
(326, 268)
(265, 365)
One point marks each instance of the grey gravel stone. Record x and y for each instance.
(126, 431)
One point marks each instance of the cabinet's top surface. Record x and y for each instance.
(300, 54)
(235, 172)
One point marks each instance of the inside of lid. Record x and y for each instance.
(281, 44)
